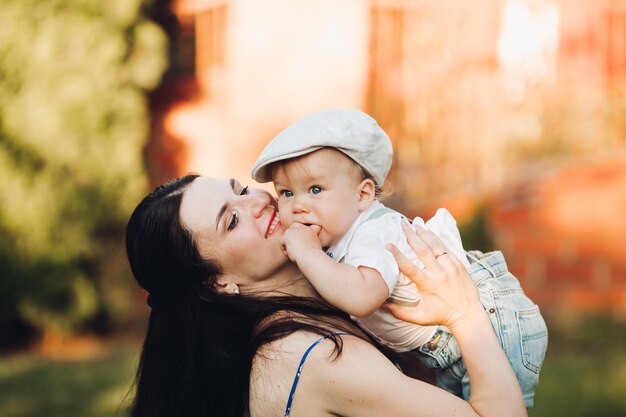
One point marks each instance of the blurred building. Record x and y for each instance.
(520, 103)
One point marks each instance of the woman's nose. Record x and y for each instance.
(256, 202)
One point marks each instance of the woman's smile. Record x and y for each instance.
(273, 225)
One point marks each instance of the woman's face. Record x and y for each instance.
(237, 227)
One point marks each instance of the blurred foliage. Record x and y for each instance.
(73, 123)
(475, 232)
(578, 334)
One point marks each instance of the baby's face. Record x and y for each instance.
(319, 188)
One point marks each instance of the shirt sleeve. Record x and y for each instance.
(443, 225)
(367, 247)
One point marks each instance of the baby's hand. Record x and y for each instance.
(299, 239)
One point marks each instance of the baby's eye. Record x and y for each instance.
(315, 189)
(286, 193)
(244, 191)
(233, 222)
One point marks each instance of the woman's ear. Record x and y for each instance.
(226, 287)
(367, 193)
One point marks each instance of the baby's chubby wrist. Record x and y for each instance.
(301, 254)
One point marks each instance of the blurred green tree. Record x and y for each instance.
(73, 122)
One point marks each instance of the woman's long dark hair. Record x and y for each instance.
(198, 350)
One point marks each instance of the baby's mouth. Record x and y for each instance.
(273, 225)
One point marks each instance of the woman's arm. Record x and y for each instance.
(449, 297)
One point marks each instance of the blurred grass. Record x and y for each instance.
(34, 386)
(584, 375)
(582, 386)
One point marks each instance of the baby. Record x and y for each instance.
(328, 170)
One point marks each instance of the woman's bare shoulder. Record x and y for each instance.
(274, 369)
(276, 365)
(293, 347)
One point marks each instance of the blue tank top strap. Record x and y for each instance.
(299, 371)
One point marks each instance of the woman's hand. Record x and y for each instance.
(448, 295)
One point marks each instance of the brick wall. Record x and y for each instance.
(564, 236)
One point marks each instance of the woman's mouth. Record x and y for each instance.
(273, 226)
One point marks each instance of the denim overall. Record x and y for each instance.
(516, 320)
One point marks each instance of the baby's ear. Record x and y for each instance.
(367, 193)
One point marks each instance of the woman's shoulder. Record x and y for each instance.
(277, 363)
(358, 381)
(292, 347)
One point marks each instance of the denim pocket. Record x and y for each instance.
(533, 337)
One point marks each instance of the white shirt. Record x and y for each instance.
(364, 245)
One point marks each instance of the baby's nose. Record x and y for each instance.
(299, 204)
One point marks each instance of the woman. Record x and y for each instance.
(232, 320)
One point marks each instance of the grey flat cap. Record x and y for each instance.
(350, 131)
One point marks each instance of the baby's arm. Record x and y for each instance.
(357, 291)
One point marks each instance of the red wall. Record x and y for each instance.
(564, 234)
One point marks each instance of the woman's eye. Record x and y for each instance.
(233, 222)
(244, 191)
(286, 193)
(316, 190)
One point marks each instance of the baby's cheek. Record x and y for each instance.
(285, 217)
